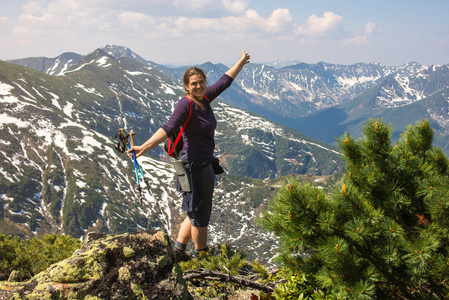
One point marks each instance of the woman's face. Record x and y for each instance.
(196, 86)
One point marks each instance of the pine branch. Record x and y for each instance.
(386, 273)
(367, 254)
(218, 276)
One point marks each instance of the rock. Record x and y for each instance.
(15, 276)
(137, 265)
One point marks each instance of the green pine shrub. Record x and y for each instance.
(298, 286)
(382, 231)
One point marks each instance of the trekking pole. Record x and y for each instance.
(136, 165)
(121, 147)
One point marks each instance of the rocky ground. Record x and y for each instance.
(129, 266)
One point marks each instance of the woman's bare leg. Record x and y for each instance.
(185, 232)
(199, 236)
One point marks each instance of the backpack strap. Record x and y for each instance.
(205, 98)
(171, 148)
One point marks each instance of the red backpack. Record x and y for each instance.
(174, 143)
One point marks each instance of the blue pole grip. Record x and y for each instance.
(135, 165)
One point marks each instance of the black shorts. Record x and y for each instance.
(202, 193)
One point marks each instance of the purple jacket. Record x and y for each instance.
(199, 133)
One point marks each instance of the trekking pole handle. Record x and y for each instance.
(131, 142)
(131, 137)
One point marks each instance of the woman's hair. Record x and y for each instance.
(186, 80)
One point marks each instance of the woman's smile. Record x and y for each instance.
(197, 86)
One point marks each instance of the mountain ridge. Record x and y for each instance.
(60, 172)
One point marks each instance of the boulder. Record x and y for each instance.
(136, 265)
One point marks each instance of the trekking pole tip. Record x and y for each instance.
(139, 189)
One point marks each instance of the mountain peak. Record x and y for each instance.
(117, 51)
(121, 51)
(98, 52)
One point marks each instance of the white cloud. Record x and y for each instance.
(357, 40)
(279, 20)
(362, 39)
(184, 24)
(169, 31)
(75, 18)
(60, 14)
(251, 22)
(33, 12)
(235, 7)
(135, 20)
(318, 27)
(193, 4)
(371, 28)
(199, 6)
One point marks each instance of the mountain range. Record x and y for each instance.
(320, 100)
(60, 173)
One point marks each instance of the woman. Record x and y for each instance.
(197, 153)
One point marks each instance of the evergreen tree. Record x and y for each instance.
(382, 233)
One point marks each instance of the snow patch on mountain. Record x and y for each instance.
(89, 90)
(135, 73)
(168, 89)
(68, 109)
(400, 92)
(54, 100)
(245, 120)
(5, 89)
(53, 70)
(88, 142)
(102, 62)
(441, 117)
(30, 97)
(347, 82)
(77, 69)
(5, 92)
(6, 119)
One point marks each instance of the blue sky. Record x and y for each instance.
(391, 32)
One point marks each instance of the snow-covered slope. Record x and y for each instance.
(60, 172)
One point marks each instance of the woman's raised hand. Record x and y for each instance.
(245, 57)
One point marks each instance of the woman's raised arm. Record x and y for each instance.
(235, 70)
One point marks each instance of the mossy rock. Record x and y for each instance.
(137, 265)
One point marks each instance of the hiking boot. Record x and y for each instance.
(181, 255)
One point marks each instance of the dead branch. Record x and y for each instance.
(218, 276)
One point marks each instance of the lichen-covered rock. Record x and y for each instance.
(130, 266)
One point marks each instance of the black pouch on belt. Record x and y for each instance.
(183, 176)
